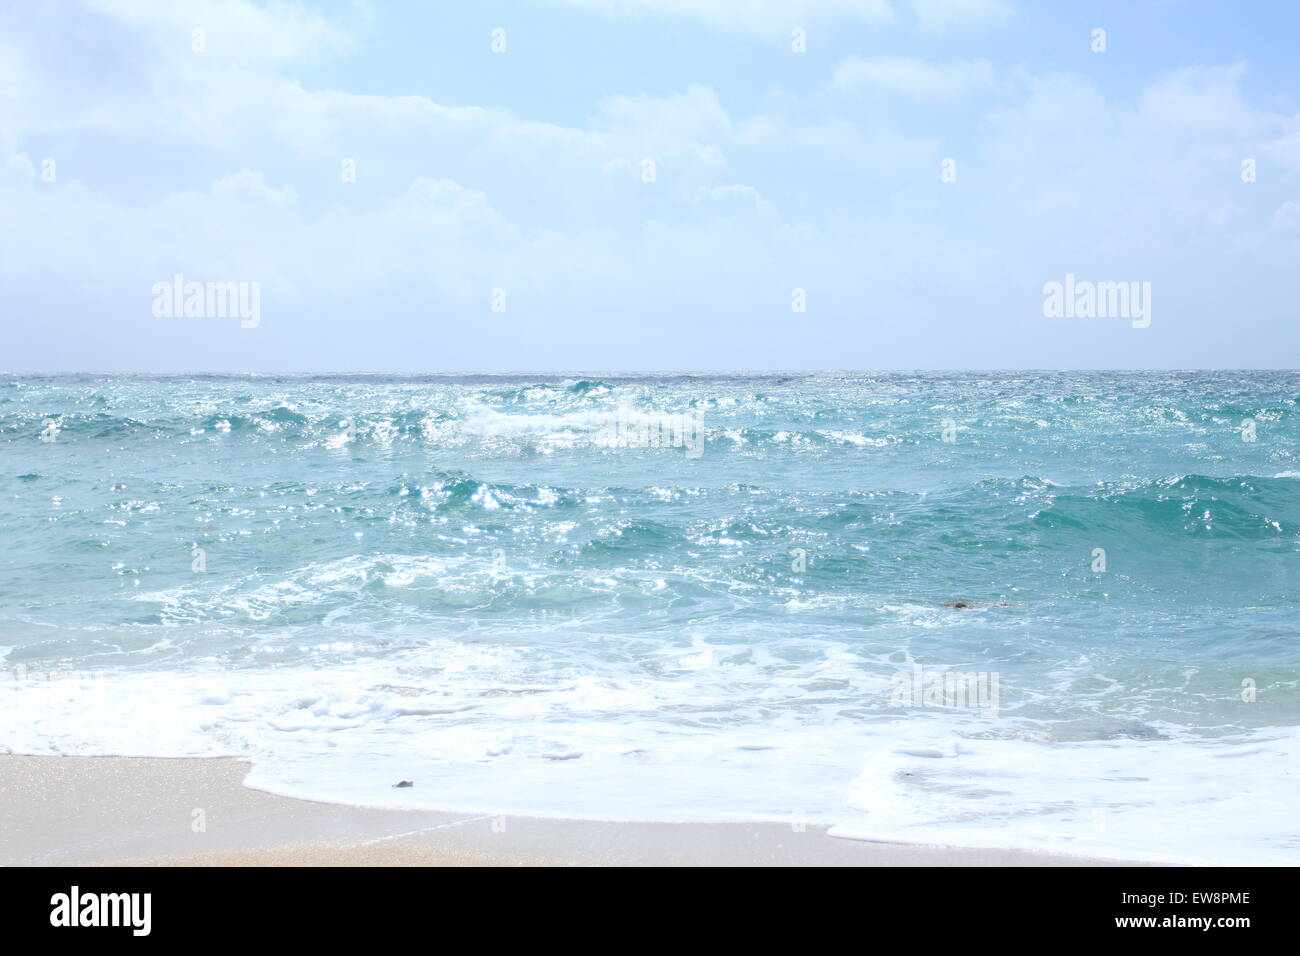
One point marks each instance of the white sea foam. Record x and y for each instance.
(471, 743)
(1180, 800)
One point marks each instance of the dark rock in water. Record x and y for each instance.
(1133, 731)
(1108, 730)
(405, 783)
(959, 605)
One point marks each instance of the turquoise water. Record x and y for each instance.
(477, 583)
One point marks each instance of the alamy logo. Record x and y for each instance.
(208, 300)
(1098, 300)
(633, 429)
(916, 688)
(102, 909)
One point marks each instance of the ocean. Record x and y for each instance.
(1047, 610)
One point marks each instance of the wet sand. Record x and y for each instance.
(191, 812)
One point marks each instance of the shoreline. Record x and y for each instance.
(153, 811)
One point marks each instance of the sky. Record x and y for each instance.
(617, 185)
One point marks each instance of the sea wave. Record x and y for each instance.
(462, 580)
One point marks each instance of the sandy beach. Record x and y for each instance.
(146, 812)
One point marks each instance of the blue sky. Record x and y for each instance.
(127, 156)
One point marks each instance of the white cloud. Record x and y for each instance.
(939, 15)
(735, 196)
(453, 201)
(747, 16)
(273, 33)
(769, 16)
(693, 114)
(13, 82)
(249, 184)
(1199, 99)
(1286, 217)
(911, 77)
